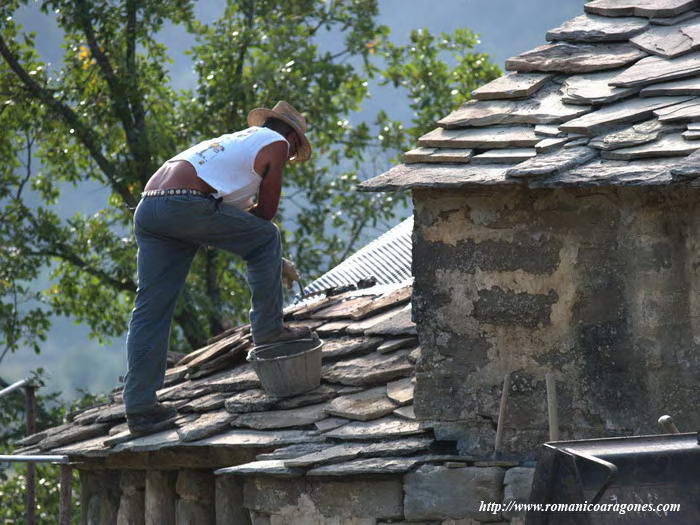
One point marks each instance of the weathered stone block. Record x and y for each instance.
(100, 499)
(195, 505)
(160, 496)
(518, 484)
(132, 503)
(436, 492)
(229, 502)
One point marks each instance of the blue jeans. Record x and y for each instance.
(169, 230)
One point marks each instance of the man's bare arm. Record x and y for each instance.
(270, 164)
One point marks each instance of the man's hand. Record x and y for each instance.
(289, 273)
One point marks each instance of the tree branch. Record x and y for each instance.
(85, 134)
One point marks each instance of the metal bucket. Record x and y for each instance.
(288, 368)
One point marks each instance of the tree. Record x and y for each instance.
(109, 116)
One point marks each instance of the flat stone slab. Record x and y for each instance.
(635, 135)
(159, 440)
(686, 86)
(346, 346)
(481, 138)
(293, 451)
(206, 403)
(94, 447)
(563, 57)
(72, 434)
(396, 344)
(680, 112)
(349, 451)
(691, 135)
(206, 425)
(548, 130)
(645, 8)
(687, 168)
(504, 156)
(111, 413)
(242, 377)
(550, 144)
(651, 172)
(406, 412)
(545, 107)
(361, 327)
(633, 110)
(669, 41)
(668, 146)
(318, 395)
(368, 466)
(513, 85)
(589, 28)
(593, 89)
(458, 156)
(369, 370)
(385, 428)
(342, 309)
(330, 423)
(552, 163)
(254, 400)
(400, 323)
(273, 419)
(363, 406)
(652, 70)
(409, 176)
(272, 467)
(257, 438)
(387, 301)
(401, 391)
(673, 20)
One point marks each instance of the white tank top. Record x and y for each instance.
(227, 162)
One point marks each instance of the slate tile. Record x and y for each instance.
(369, 466)
(680, 112)
(673, 20)
(73, 434)
(363, 406)
(669, 41)
(627, 111)
(369, 370)
(360, 327)
(241, 377)
(275, 419)
(504, 156)
(332, 328)
(249, 401)
(384, 428)
(551, 144)
(513, 85)
(329, 423)
(563, 57)
(401, 391)
(653, 69)
(635, 135)
(293, 451)
(206, 425)
(406, 412)
(481, 138)
(593, 28)
(673, 145)
(645, 8)
(164, 439)
(214, 350)
(399, 324)
(390, 345)
(114, 413)
(686, 86)
(545, 107)
(458, 156)
(317, 395)
(552, 163)
(593, 89)
(347, 346)
(273, 467)
(549, 131)
(384, 302)
(206, 403)
(244, 438)
(652, 172)
(348, 451)
(342, 309)
(687, 168)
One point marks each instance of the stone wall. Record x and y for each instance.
(431, 495)
(599, 286)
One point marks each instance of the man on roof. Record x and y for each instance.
(206, 195)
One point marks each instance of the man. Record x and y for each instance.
(205, 195)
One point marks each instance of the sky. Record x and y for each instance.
(506, 28)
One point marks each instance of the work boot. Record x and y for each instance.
(150, 420)
(288, 334)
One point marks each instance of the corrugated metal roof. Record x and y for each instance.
(387, 259)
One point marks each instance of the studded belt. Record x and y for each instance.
(174, 191)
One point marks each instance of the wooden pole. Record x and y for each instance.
(502, 415)
(30, 419)
(65, 502)
(552, 407)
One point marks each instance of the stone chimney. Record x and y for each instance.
(557, 225)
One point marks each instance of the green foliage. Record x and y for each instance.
(109, 116)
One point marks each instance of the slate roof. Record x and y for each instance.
(360, 420)
(613, 99)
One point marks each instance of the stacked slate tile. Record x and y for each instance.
(612, 99)
(359, 420)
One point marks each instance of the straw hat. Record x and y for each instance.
(285, 112)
